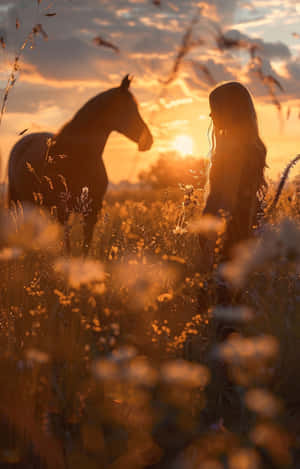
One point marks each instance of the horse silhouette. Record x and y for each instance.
(66, 169)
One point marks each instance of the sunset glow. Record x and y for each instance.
(42, 97)
(184, 145)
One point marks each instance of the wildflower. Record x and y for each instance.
(164, 297)
(83, 202)
(80, 271)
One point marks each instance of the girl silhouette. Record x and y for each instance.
(236, 179)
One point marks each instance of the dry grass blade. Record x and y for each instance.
(282, 183)
(226, 43)
(206, 72)
(37, 29)
(23, 132)
(273, 82)
(186, 45)
(268, 80)
(99, 41)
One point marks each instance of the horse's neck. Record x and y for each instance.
(88, 129)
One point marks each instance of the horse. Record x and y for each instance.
(63, 169)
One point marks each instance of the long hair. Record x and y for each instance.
(235, 127)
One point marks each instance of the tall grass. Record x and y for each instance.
(116, 360)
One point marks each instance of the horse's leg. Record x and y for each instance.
(88, 230)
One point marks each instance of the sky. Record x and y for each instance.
(58, 75)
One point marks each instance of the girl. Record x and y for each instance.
(237, 183)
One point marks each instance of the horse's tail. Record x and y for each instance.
(282, 182)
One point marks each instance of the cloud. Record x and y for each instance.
(68, 69)
(270, 50)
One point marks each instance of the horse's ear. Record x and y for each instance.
(126, 83)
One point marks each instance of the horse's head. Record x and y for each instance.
(128, 120)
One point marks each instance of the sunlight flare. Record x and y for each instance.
(184, 145)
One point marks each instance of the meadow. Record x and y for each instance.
(116, 361)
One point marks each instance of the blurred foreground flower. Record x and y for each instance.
(238, 349)
(244, 458)
(137, 370)
(79, 271)
(106, 370)
(145, 281)
(37, 356)
(29, 228)
(250, 360)
(236, 314)
(124, 365)
(7, 254)
(178, 372)
(281, 242)
(275, 441)
(208, 225)
(262, 402)
(123, 354)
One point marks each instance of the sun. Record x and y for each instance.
(184, 145)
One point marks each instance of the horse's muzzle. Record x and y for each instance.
(145, 141)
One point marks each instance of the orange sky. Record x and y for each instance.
(60, 74)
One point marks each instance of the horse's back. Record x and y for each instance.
(26, 161)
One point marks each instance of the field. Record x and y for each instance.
(118, 361)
